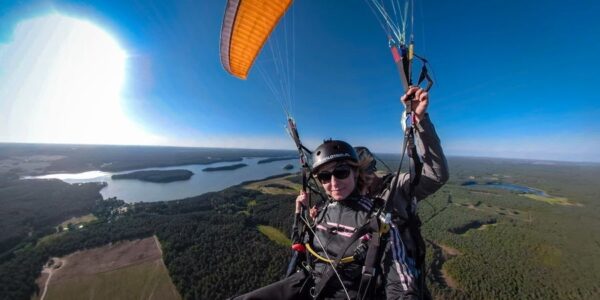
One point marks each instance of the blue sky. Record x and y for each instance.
(512, 78)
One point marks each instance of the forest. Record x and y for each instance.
(57, 158)
(482, 243)
(31, 209)
(162, 176)
(273, 159)
(211, 247)
(224, 168)
(535, 249)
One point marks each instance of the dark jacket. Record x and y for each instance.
(337, 222)
(433, 176)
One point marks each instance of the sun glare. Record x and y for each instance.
(63, 83)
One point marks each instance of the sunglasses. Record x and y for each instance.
(340, 172)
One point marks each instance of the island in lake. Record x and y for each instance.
(159, 176)
(272, 159)
(224, 168)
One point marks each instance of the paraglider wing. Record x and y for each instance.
(246, 26)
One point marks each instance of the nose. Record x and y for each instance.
(334, 181)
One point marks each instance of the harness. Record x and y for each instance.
(374, 252)
(379, 229)
(378, 223)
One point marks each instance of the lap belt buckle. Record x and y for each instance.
(307, 267)
(384, 227)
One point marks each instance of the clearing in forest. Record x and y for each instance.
(275, 235)
(76, 221)
(441, 254)
(552, 200)
(125, 270)
(279, 185)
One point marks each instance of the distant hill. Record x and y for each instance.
(39, 159)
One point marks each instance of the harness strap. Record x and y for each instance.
(371, 226)
(299, 230)
(369, 270)
(344, 260)
(416, 166)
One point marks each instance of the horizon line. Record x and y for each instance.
(292, 149)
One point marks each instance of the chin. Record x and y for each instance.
(338, 196)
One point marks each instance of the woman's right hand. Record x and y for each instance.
(420, 101)
(313, 212)
(301, 201)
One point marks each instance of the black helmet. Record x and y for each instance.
(365, 153)
(332, 150)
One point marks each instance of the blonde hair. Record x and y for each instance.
(361, 167)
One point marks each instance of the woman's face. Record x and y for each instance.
(338, 179)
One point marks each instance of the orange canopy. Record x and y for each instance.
(246, 26)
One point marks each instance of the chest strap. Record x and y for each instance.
(344, 260)
(370, 227)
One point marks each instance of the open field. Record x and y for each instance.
(551, 200)
(75, 222)
(275, 186)
(79, 220)
(147, 280)
(129, 269)
(275, 235)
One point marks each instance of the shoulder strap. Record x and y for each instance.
(371, 226)
(369, 270)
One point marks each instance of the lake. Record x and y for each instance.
(133, 190)
(507, 186)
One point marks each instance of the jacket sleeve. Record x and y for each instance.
(435, 168)
(399, 269)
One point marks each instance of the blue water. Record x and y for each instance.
(133, 190)
(506, 186)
